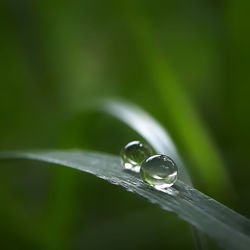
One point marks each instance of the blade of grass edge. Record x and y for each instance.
(195, 137)
(148, 128)
(156, 136)
(229, 229)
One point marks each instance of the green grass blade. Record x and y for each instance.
(185, 121)
(158, 138)
(228, 228)
(148, 128)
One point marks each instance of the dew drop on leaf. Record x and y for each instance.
(159, 171)
(133, 154)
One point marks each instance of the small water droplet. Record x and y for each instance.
(133, 154)
(159, 171)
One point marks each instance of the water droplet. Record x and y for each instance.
(133, 154)
(159, 171)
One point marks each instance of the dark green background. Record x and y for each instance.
(185, 62)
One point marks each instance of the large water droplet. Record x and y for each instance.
(159, 171)
(133, 154)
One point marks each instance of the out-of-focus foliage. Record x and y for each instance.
(56, 56)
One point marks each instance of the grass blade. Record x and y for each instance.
(148, 128)
(228, 228)
(157, 137)
(196, 140)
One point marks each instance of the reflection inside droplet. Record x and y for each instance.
(159, 171)
(133, 154)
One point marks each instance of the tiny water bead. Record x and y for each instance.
(159, 171)
(133, 154)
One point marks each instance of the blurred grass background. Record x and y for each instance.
(185, 62)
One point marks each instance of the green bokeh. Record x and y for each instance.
(185, 62)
